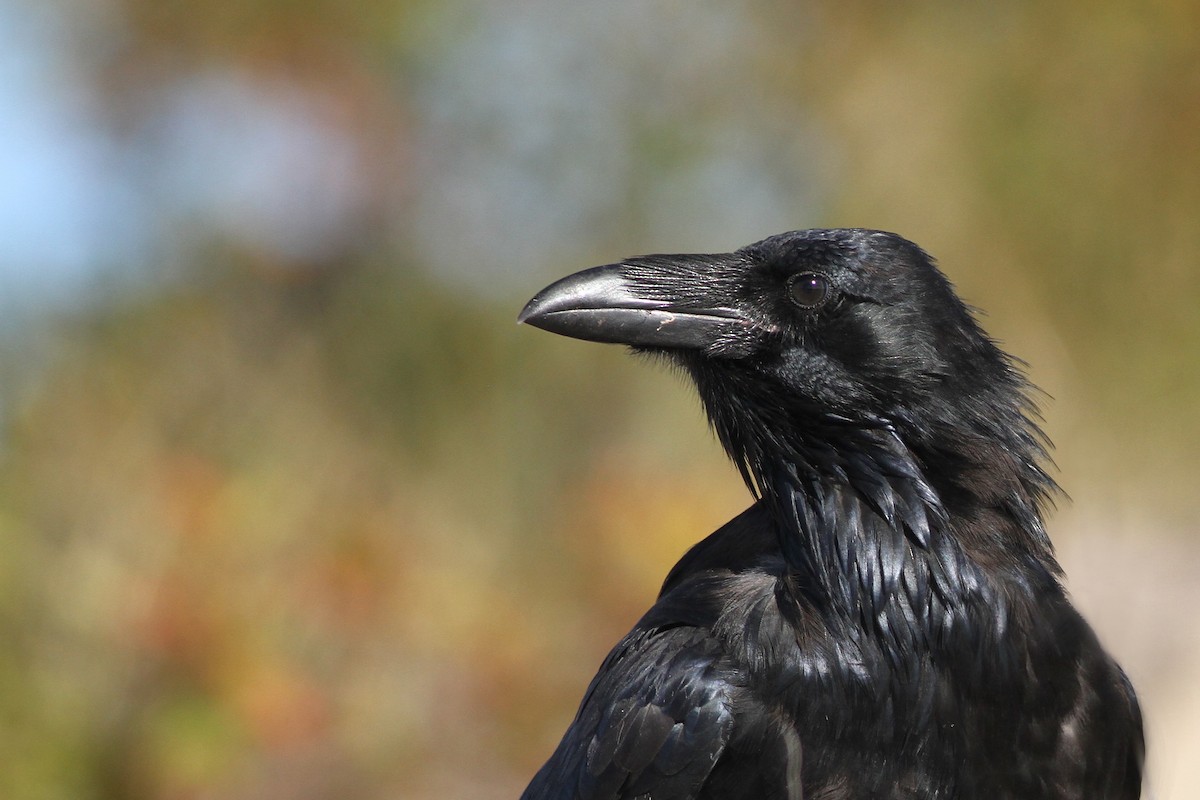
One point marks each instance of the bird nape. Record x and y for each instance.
(886, 620)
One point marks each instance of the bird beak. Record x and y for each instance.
(632, 304)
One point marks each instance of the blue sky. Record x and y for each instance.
(64, 212)
(215, 150)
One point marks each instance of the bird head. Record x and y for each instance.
(803, 342)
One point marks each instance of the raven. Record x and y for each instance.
(886, 620)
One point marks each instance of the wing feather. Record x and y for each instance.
(653, 723)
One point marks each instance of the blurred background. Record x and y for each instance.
(290, 508)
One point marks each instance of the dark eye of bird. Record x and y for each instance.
(808, 289)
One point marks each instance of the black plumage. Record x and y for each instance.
(886, 620)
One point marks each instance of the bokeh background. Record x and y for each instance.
(290, 508)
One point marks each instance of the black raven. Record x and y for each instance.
(886, 620)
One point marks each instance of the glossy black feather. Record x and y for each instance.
(886, 621)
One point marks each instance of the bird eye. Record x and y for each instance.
(808, 289)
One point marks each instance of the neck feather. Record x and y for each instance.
(872, 536)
